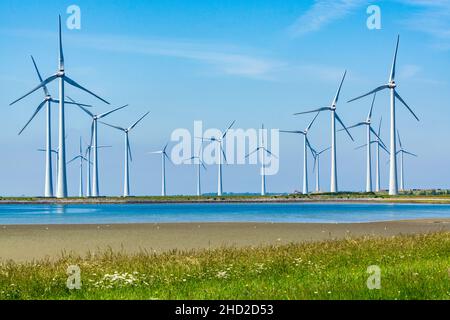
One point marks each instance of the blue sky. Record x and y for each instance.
(253, 61)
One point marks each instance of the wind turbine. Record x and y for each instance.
(306, 145)
(316, 167)
(88, 173)
(378, 145)
(126, 183)
(94, 141)
(391, 85)
(52, 152)
(61, 191)
(370, 130)
(48, 100)
(82, 159)
(334, 117)
(262, 152)
(402, 152)
(221, 153)
(200, 164)
(163, 168)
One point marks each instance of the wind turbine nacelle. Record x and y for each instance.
(392, 85)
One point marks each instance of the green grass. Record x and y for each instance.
(413, 267)
(412, 196)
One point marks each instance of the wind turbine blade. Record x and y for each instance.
(61, 54)
(92, 133)
(101, 147)
(102, 115)
(326, 149)
(39, 76)
(249, 154)
(140, 119)
(229, 127)
(203, 165)
(354, 126)
(336, 98)
(168, 158)
(223, 153)
(156, 152)
(129, 150)
(273, 155)
(360, 147)
(399, 140)
(385, 149)
(73, 159)
(378, 137)
(379, 126)
(80, 106)
(404, 103)
(76, 85)
(313, 152)
(394, 61)
(369, 116)
(43, 83)
(292, 131)
(74, 103)
(411, 154)
(311, 111)
(262, 134)
(370, 92)
(311, 123)
(343, 125)
(32, 117)
(112, 126)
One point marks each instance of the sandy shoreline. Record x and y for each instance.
(27, 242)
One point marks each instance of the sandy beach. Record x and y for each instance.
(29, 242)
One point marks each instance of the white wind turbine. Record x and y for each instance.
(334, 117)
(369, 131)
(52, 152)
(48, 100)
(61, 191)
(306, 145)
(95, 192)
(82, 159)
(262, 153)
(378, 145)
(391, 85)
(89, 172)
(316, 167)
(200, 164)
(402, 152)
(220, 154)
(164, 155)
(126, 183)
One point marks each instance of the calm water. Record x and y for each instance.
(254, 212)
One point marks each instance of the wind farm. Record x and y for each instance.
(224, 152)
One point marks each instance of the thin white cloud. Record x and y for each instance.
(323, 13)
(432, 18)
(228, 60)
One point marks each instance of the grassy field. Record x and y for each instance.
(413, 196)
(413, 267)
